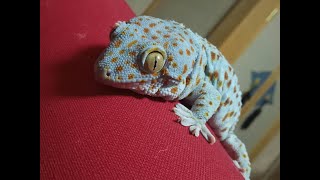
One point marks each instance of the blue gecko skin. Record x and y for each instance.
(193, 70)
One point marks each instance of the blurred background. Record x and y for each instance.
(248, 33)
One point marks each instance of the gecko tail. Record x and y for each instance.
(238, 152)
(234, 147)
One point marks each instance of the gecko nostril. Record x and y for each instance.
(108, 73)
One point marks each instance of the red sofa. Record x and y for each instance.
(90, 131)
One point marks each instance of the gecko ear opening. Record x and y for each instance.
(153, 59)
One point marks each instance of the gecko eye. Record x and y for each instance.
(154, 62)
(153, 59)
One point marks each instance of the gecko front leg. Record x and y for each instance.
(206, 100)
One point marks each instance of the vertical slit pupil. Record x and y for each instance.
(155, 63)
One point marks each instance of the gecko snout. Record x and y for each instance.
(103, 74)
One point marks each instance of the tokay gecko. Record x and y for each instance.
(162, 58)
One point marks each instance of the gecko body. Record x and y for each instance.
(162, 58)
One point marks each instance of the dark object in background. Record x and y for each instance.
(245, 97)
(247, 122)
(257, 80)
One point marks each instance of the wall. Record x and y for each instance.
(262, 55)
(201, 16)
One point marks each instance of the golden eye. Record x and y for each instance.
(154, 62)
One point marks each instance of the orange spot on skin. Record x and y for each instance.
(229, 83)
(191, 41)
(188, 52)
(192, 49)
(142, 81)
(130, 76)
(155, 74)
(223, 130)
(146, 30)
(204, 85)
(179, 78)
(114, 59)
(210, 103)
(154, 81)
(174, 65)
(175, 44)
(165, 71)
(226, 102)
(201, 61)
(119, 78)
(185, 69)
(154, 37)
(235, 89)
(226, 75)
(180, 52)
(165, 45)
(166, 36)
(206, 114)
(159, 32)
(166, 27)
(143, 36)
(132, 43)
(134, 65)
(185, 32)
(138, 23)
(198, 80)
(152, 25)
(170, 58)
(215, 74)
(132, 53)
(181, 40)
(121, 51)
(174, 90)
(130, 35)
(119, 68)
(117, 43)
(211, 76)
(219, 83)
(187, 81)
(199, 105)
(143, 73)
(225, 117)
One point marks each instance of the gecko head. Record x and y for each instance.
(147, 55)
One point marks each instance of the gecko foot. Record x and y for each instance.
(186, 118)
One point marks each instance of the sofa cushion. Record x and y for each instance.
(90, 131)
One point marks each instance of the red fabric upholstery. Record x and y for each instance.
(89, 131)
